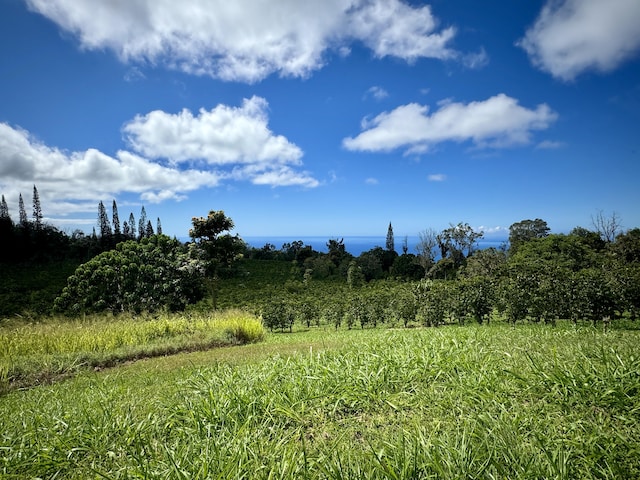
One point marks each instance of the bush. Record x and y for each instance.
(151, 275)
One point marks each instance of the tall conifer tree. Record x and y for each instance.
(116, 219)
(142, 223)
(159, 228)
(24, 220)
(148, 230)
(37, 209)
(103, 221)
(390, 241)
(4, 210)
(132, 226)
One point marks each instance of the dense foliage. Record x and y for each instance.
(149, 275)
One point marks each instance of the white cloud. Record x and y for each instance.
(248, 40)
(496, 122)
(223, 135)
(73, 182)
(371, 181)
(378, 93)
(573, 36)
(393, 28)
(437, 177)
(224, 144)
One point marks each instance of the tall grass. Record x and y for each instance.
(37, 352)
(474, 402)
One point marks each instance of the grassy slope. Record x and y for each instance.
(472, 402)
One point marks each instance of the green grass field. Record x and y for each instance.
(452, 402)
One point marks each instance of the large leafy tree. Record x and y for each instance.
(525, 230)
(149, 275)
(217, 248)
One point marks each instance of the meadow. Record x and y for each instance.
(479, 401)
(57, 347)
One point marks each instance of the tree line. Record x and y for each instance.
(31, 239)
(537, 276)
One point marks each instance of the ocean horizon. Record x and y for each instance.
(355, 245)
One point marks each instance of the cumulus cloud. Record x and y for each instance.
(496, 122)
(248, 40)
(223, 135)
(70, 182)
(170, 156)
(570, 37)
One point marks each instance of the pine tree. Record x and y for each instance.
(116, 219)
(390, 242)
(24, 221)
(4, 211)
(159, 227)
(142, 223)
(125, 229)
(149, 230)
(37, 210)
(132, 226)
(103, 221)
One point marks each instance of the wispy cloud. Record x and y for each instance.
(376, 92)
(550, 145)
(371, 181)
(437, 177)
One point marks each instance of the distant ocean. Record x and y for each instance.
(356, 245)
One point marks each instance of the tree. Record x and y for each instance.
(607, 227)
(390, 243)
(371, 263)
(37, 210)
(337, 251)
(142, 223)
(427, 241)
(626, 248)
(355, 277)
(159, 227)
(149, 275)
(525, 230)
(4, 210)
(407, 266)
(132, 226)
(456, 244)
(24, 220)
(217, 249)
(115, 219)
(148, 231)
(103, 221)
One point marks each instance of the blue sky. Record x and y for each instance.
(327, 117)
